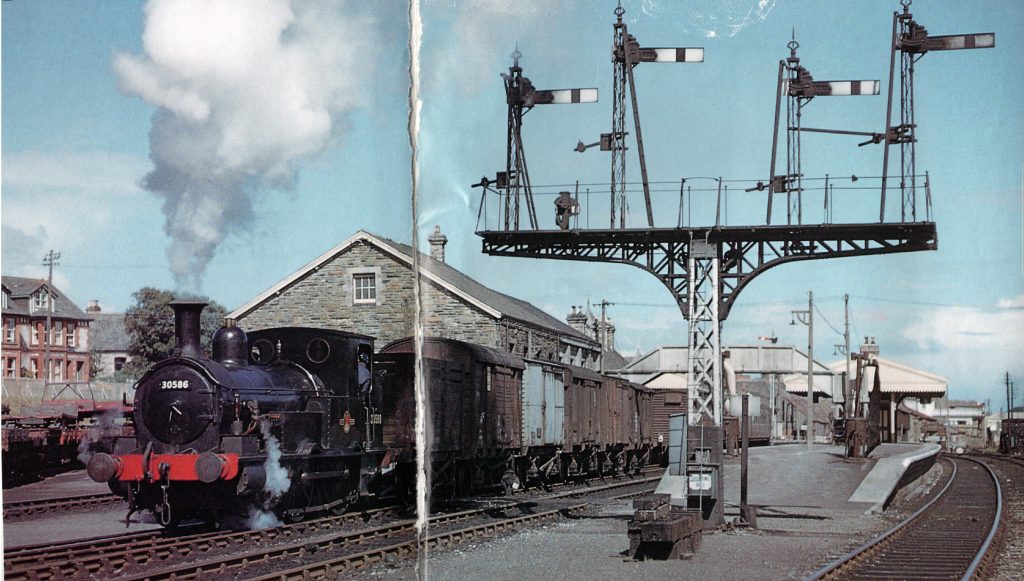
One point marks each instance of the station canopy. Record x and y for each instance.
(897, 378)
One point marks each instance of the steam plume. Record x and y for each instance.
(278, 481)
(244, 92)
(276, 484)
(106, 426)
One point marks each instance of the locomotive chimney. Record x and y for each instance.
(186, 326)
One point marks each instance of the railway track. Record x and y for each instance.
(110, 555)
(948, 538)
(346, 541)
(1006, 564)
(22, 508)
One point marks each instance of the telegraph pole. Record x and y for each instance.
(809, 321)
(810, 370)
(49, 261)
(1009, 397)
(846, 338)
(602, 333)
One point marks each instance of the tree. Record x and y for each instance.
(150, 326)
(95, 363)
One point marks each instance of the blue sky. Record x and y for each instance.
(86, 95)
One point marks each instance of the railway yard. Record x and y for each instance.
(806, 529)
(381, 413)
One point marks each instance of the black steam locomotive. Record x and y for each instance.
(281, 418)
(292, 421)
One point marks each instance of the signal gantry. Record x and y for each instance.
(706, 267)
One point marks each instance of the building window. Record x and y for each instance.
(57, 370)
(9, 330)
(71, 335)
(79, 371)
(119, 363)
(11, 368)
(35, 334)
(365, 286)
(57, 333)
(33, 369)
(5, 305)
(40, 300)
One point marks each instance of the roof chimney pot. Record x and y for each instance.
(437, 242)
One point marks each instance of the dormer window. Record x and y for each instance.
(40, 300)
(5, 299)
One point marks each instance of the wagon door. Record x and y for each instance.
(554, 398)
(533, 405)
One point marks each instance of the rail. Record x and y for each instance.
(873, 548)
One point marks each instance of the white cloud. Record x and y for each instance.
(100, 173)
(969, 329)
(82, 191)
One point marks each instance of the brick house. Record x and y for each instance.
(25, 305)
(365, 285)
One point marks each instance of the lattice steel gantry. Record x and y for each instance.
(706, 267)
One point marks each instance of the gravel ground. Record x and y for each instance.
(1008, 565)
(804, 522)
(595, 548)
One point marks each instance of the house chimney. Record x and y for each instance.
(94, 306)
(869, 347)
(577, 319)
(609, 335)
(437, 242)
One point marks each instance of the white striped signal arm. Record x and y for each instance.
(672, 55)
(845, 88)
(565, 96)
(962, 41)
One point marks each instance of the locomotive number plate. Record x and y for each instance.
(375, 419)
(174, 384)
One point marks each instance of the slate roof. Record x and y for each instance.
(613, 360)
(21, 290)
(495, 303)
(509, 306)
(107, 332)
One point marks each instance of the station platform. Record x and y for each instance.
(807, 514)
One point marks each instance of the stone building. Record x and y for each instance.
(365, 285)
(26, 302)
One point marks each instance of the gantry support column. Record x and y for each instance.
(705, 346)
(705, 382)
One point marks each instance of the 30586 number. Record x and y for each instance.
(174, 384)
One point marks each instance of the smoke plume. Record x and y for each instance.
(106, 426)
(244, 92)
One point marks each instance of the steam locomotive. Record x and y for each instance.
(293, 421)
